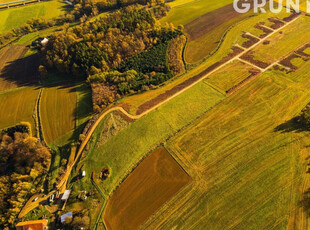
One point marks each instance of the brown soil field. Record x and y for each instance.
(251, 40)
(149, 104)
(16, 71)
(154, 182)
(250, 58)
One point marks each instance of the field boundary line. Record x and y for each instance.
(215, 88)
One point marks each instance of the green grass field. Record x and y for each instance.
(183, 11)
(58, 111)
(18, 106)
(284, 42)
(16, 17)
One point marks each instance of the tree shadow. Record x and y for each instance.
(291, 126)
(23, 71)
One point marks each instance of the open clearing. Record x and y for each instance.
(16, 17)
(58, 111)
(18, 105)
(148, 187)
(15, 69)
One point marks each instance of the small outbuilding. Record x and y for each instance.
(33, 225)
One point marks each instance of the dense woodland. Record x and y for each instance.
(24, 162)
(125, 52)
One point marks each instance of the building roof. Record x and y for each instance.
(44, 41)
(66, 195)
(32, 225)
(64, 216)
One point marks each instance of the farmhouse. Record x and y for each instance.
(32, 225)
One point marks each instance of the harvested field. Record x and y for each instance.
(154, 182)
(18, 105)
(230, 75)
(168, 93)
(249, 56)
(250, 40)
(58, 111)
(15, 70)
